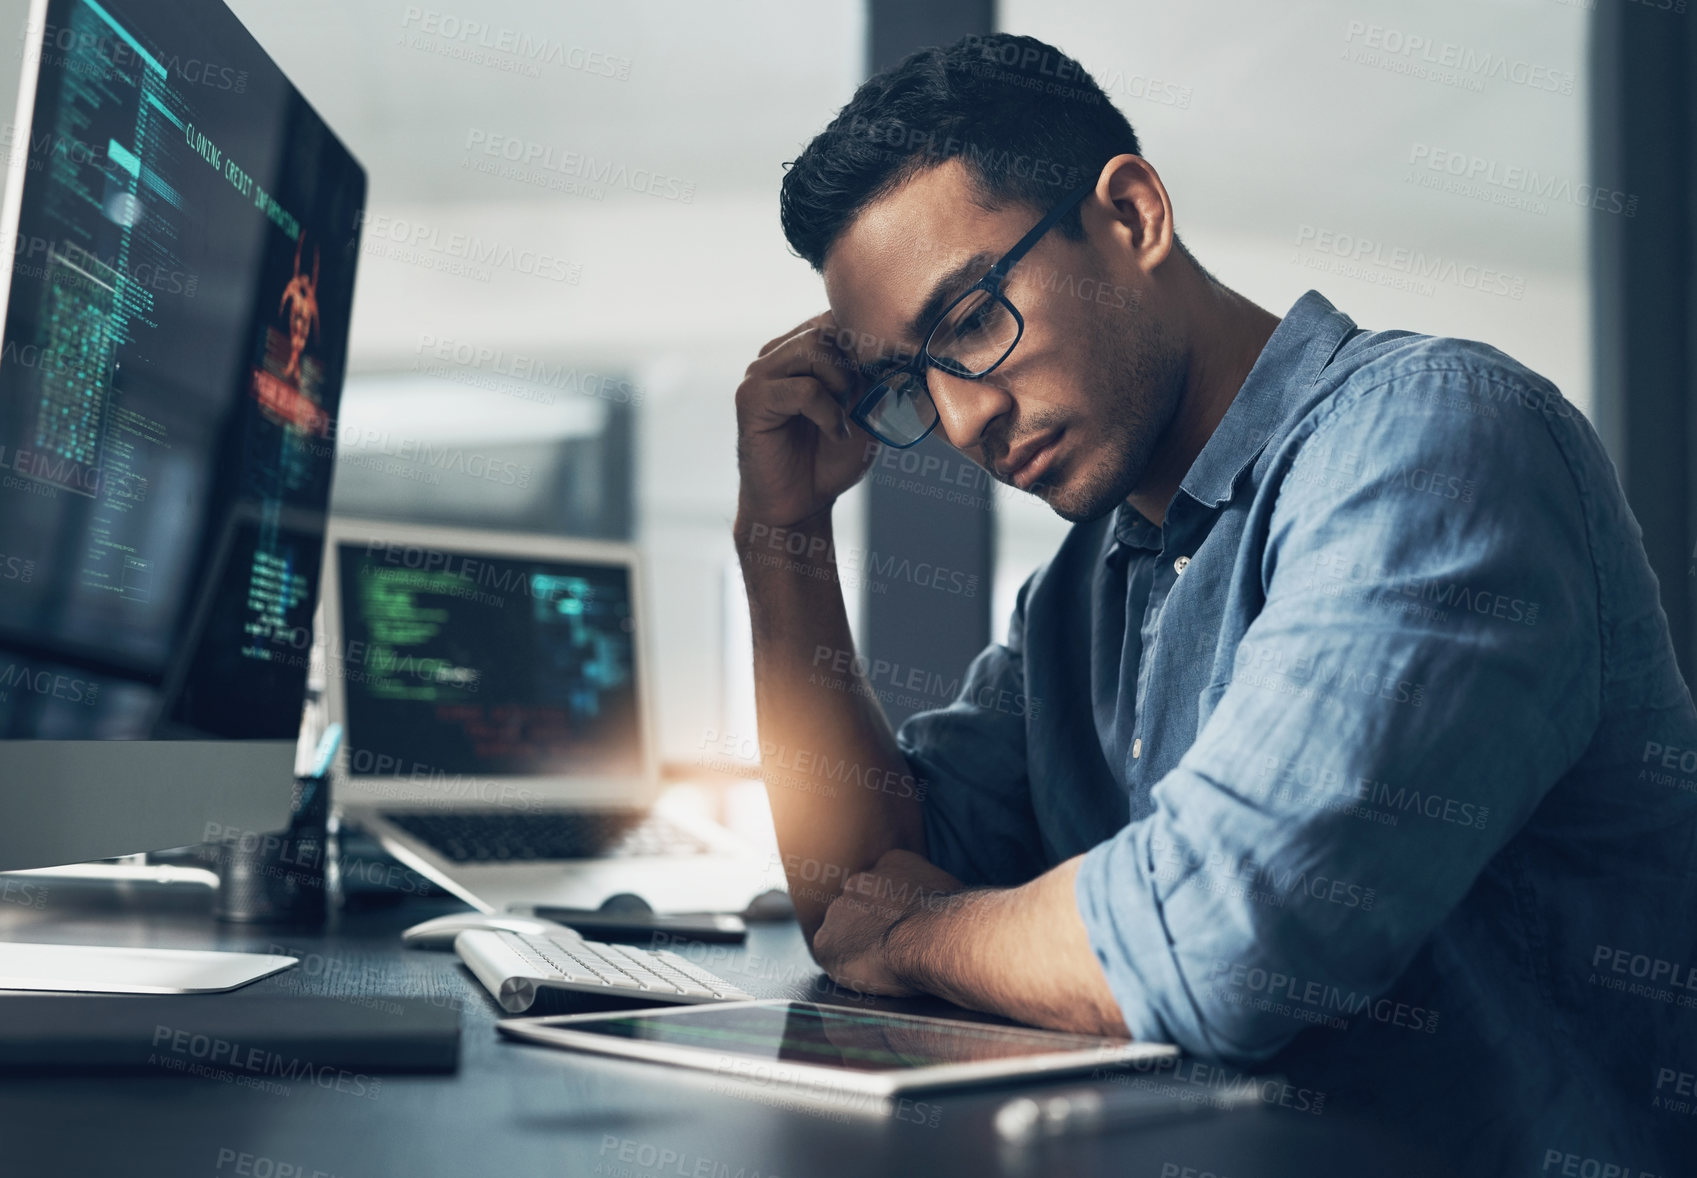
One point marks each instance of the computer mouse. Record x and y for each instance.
(439, 932)
(626, 903)
(769, 905)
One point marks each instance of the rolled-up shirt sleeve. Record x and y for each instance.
(970, 756)
(1414, 682)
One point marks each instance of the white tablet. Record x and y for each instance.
(810, 1046)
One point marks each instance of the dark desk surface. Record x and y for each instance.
(514, 1110)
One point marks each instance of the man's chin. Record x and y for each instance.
(1079, 504)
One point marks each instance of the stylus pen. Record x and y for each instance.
(1027, 1119)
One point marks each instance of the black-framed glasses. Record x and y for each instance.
(970, 339)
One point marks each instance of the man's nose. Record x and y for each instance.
(965, 408)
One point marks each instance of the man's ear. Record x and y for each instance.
(1131, 209)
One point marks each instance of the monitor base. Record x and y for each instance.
(114, 969)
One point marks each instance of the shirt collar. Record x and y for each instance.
(1129, 530)
(1293, 357)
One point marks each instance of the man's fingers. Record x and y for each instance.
(771, 344)
(772, 403)
(819, 320)
(833, 369)
(809, 354)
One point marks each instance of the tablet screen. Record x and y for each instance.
(833, 1037)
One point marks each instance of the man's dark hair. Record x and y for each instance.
(1029, 123)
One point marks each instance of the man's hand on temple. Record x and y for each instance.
(853, 943)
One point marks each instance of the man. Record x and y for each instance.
(1355, 742)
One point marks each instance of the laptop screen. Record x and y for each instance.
(485, 666)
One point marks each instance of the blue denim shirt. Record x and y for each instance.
(1379, 759)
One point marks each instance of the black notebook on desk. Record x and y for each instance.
(272, 1039)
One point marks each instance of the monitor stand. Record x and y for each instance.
(103, 969)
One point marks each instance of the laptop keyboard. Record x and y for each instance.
(501, 836)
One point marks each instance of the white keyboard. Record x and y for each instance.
(518, 968)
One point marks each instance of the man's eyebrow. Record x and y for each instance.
(944, 292)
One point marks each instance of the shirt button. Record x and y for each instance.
(1137, 748)
(1181, 564)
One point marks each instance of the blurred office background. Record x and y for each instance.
(582, 381)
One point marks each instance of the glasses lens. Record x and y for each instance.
(974, 334)
(904, 413)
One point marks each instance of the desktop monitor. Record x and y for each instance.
(184, 230)
(470, 667)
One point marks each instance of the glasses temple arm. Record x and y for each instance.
(1023, 246)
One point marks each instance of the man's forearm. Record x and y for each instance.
(1019, 952)
(841, 792)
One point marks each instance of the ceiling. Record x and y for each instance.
(718, 94)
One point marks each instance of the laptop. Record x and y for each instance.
(497, 702)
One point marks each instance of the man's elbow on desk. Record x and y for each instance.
(907, 927)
